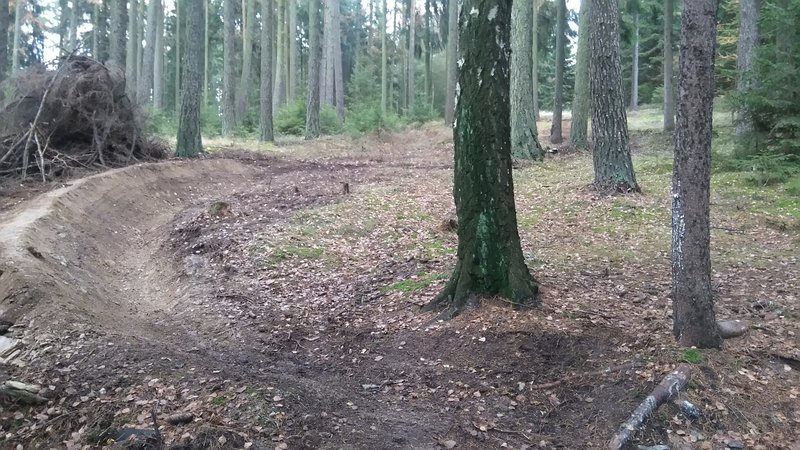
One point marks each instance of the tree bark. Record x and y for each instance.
(133, 49)
(279, 94)
(149, 58)
(428, 52)
(535, 4)
(338, 79)
(96, 31)
(579, 129)
(694, 323)
(189, 141)
(178, 17)
(74, 15)
(294, 74)
(524, 135)
(243, 92)
(327, 92)
(117, 39)
(558, 96)
(452, 62)
(490, 260)
(228, 69)
(267, 32)
(206, 51)
(669, 91)
(613, 169)
(314, 53)
(384, 65)
(17, 45)
(63, 27)
(5, 17)
(745, 57)
(158, 64)
(411, 61)
(635, 64)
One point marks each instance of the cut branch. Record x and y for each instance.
(669, 387)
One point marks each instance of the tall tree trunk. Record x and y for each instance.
(117, 39)
(579, 129)
(428, 52)
(5, 17)
(384, 64)
(314, 53)
(535, 4)
(149, 58)
(452, 62)
(206, 52)
(694, 323)
(178, 36)
(279, 94)
(327, 93)
(411, 66)
(490, 260)
(73, 25)
(613, 169)
(96, 31)
(524, 135)
(243, 92)
(267, 33)
(558, 95)
(63, 27)
(746, 52)
(158, 64)
(140, 33)
(133, 48)
(189, 140)
(19, 14)
(338, 79)
(294, 56)
(635, 64)
(229, 68)
(669, 91)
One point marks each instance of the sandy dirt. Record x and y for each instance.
(185, 287)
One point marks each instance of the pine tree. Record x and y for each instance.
(189, 142)
(229, 68)
(5, 17)
(267, 32)
(243, 92)
(17, 45)
(694, 323)
(669, 107)
(558, 97)
(490, 260)
(384, 64)
(132, 54)
(579, 129)
(315, 50)
(117, 42)
(452, 62)
(524, 135)
(746, 54)
(149, 58)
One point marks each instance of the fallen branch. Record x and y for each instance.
(669, 387)
(14, 392)
(614, 369)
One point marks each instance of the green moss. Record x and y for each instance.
(421, 281)
(219, 400)
(692, 356)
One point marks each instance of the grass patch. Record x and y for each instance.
(692, 356)
(410, 285)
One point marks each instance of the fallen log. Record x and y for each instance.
(619, 368)
(732, 328)
(14, 392)
(669, 387)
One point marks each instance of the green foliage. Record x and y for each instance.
(692, 356)
(766, 169)
(291, 119)
(793, 186)
(364, 100)
(422, 110)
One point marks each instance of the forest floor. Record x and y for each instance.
(250, 290)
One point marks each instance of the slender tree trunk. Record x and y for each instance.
(694, 323)
(314, 53)
(669, 91)
(267, 33)
(63, 27)
(428, 52)
(746, 52)
(384, 64)
(133, 49)
(140, 33)
(229, 68)
(96, 31)
(328, 73)
(410, 76)
(635, 64)
(452, 62)
(5, 17)
(490, 260)
(579, 129)
(338, 79)
(117, 39)
(279, 95)
(149, 58)
(189, 140)
(243, 92)
(524, 135)
(294, 64)
(613, 169)
(178, 17)
(535, 4)
(206, 51)
(158, 64)
(19, 15)
(73, 25)
(558, 96)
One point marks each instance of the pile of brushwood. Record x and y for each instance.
(77, 115)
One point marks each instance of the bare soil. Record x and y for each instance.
(259, 295)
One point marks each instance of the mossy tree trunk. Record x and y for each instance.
(524, 135)
(490, 260)
(579, 130)
(613, 168)
(694, 323)
(189, 140)
(315, 53)
(267, 32)
(558, 95)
